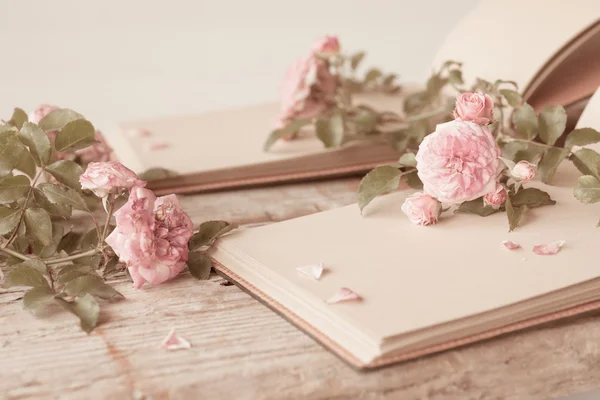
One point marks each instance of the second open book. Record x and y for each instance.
(423, 289)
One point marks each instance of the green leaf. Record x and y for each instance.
(58, 119)
(587, 161)
(65, 196)
(455, 77)
(25, 276)
(582, 137)
(50, 250)
(330, 131)
(86, 308)
(365, 121)
(69, 243)
(515, 215)
(288, 130)
(514, 98)
(355, 59)
(525, 121)
(154, 174)
(435, 85)
(11, 151)
(415, 102)
(549, 163)
(12, 188)
(93, 285)
(587, 190)
(69, 276)
(19, 117)
(531, 198)
(208, 232)
(66, 172)
(408, 160)
(37, 298)
(199, 265)
(89, 240)
(27, 164)
(75, 135)
(37, 141)
(35, 264)
(380, 180)
(552, 122)
(389, 79)
(477, 207)
(54, 209)
(39, 225)
(413, 180)
(9, 218)
(372, 75)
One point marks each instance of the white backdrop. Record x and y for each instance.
(116, 60)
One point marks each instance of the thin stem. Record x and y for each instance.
(24, 208)
(433, 113)
(109, 213)
(14, 254)
(72, 257)
(509, 139)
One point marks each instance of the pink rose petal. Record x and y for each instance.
(138, 132)
(344, 294)
(548, 249)
(312, 270)
(157, 146)
(175, 342)
(511, 245)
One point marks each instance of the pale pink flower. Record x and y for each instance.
(327, 45)
(475, 107)
(151, 237)
(459, 162)
(103, 178)
(41, 112)
(308, 90)
(523, 171)
(497, 197)
(422, 209)
(99, 151)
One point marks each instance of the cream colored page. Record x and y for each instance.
(221, 139)
(413, 277)
(513, 39)
(591, 114)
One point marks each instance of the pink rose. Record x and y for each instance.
(327, 45)
(475, 107)
(40, 112)
(151, 237)
(497, 197)
(100, 151)
(308, 89)
(459, 162)
(422, 209)
(523, 171)
(105, 177)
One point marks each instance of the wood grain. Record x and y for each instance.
(242, 350)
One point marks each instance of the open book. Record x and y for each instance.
(423, 289)
(549, 50)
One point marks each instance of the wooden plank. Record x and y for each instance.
(241, 350)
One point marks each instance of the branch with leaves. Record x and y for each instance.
(44, 192)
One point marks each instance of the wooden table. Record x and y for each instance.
(242, 350)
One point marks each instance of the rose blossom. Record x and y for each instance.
(459, 162)
(476, 107)
(151, 237)
(41, 112)
(102, 177)
(327, 45)
(497, 197)
(100, 151)
(523, 171)
(422, 209)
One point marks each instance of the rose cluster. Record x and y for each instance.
(461, 161)
(151, 234)
(309, 86)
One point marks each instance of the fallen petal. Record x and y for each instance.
(175, 342)
(138, 132)
(548, 249)
(157, 146)
(311, 270)
(511, 245)
(344, 294)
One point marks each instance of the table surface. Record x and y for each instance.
(242, 350)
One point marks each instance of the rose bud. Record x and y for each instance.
(422, 209)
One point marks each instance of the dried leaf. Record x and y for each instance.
(582, 137)
(511, 245)
(343, 295)
(552, 122)
(208, 232)
(39, 225)
(380, 180)
(66, 172)
(13, 188)
(312, 270)
(175, 342)
(548, 249)
(199, 265)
